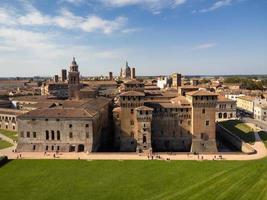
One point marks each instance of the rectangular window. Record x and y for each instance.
(132, 111)
(70, 125)
(46, 148)
(189, 122)
(86, 125)
(28, 134)
(132, 122)
(22, 134)
(34, 147)
(87, 135)
(203, 111)
(207, 123)
(34, 134)
(71, 135)
(57, 120)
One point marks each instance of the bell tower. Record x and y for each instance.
(74, 80)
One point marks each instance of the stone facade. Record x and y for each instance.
(174, 124)
(66, 127)
(176, 80)
(245, 103)
(8, 119)
(225, 109)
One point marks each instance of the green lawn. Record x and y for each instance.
(263, 136)
(142, 180)
(239, 128)
(4, 144)
(11, 134)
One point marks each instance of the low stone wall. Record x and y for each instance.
(234, 140)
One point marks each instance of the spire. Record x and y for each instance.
(127, 64)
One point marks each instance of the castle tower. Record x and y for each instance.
(128, 123)
(74, 80)
(133, 73)
(110, 76)
(143, 118)
(203, 121)
(176, 80)
(63, 75)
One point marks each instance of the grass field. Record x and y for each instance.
(239, 128)
(4, 144)
(142, 180)
(11, 134)
(263, 136)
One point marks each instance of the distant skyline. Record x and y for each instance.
(192, 37)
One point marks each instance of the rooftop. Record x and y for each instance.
(246, 98)
(132, 93)
(201, 93)
(144, 108)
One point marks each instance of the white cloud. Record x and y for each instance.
(204, 46)
(130, 30)
(154, 5)
(75, 2)
(42, 53)
(217, 5)
(65, 20)
(93, 23)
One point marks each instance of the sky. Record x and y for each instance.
(157, 37)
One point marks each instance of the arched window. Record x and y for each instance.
(144, 139)
(52, 135)
(47, 135)
(58, 135)
(224, 115)
(220, 115)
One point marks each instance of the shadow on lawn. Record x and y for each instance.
(240, 129)
(4, 160)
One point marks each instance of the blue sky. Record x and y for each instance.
(158, 37)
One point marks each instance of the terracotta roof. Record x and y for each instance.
(132, 93)
(57, 113)
(11, 111)
(34, 98)
(222, 98)
(71, 109)
(144, 108)
(247, 98)
(180, 100)
(130, 82)
(201, 93)
(188, 87)
(171, 105)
